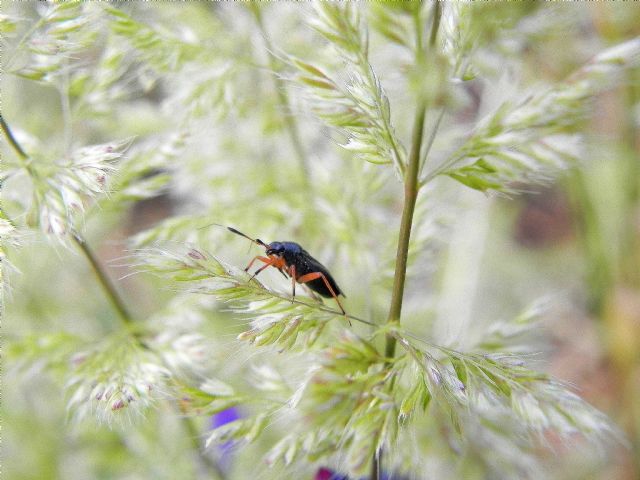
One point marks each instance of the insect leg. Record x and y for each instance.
(292, 272)
(315, 275)
(259, 257)
(268, 263)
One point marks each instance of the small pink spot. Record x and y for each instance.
(196, 255)
(78, 359)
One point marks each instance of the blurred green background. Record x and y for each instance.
(231, 160)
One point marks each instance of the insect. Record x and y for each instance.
(295, 262)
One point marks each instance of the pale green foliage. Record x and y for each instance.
(56, 40)
(248, 429)
(177, 339)
(347, 400)
(44, 352)
(8, 233)
(515, 333)
(487, 383)
(60, 189)
(476, 36)
(359, 106)
(524, 140)
(145, 171)
(389, 21)
(116, 377)
(275, 318)
(358, 412)
(201, 83)
(97, 86)
(8, 25)
(163, 52)
(208, 91)
(8, 237)
(169, 230)
(189, 88)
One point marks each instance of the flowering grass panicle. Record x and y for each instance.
(360, 106)
(114, 381)
(60, 190)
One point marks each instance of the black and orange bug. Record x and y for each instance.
(295, 262)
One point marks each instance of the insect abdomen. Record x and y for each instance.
(320, 287)
(305, 264)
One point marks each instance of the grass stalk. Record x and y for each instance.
(411, 189)
(12, 140)
(107, 285)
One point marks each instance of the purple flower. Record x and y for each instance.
(225, 416)
(324, 473)
(225, 450)
(327, 474)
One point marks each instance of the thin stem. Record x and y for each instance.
(429, 143)
(259, 287)
(437, 14)
(410, 196)
(107, 285)
(411, 189)
(12, 140)
(22, 155)
(375, 468)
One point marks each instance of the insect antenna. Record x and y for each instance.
(255, 240)
(238, 232)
